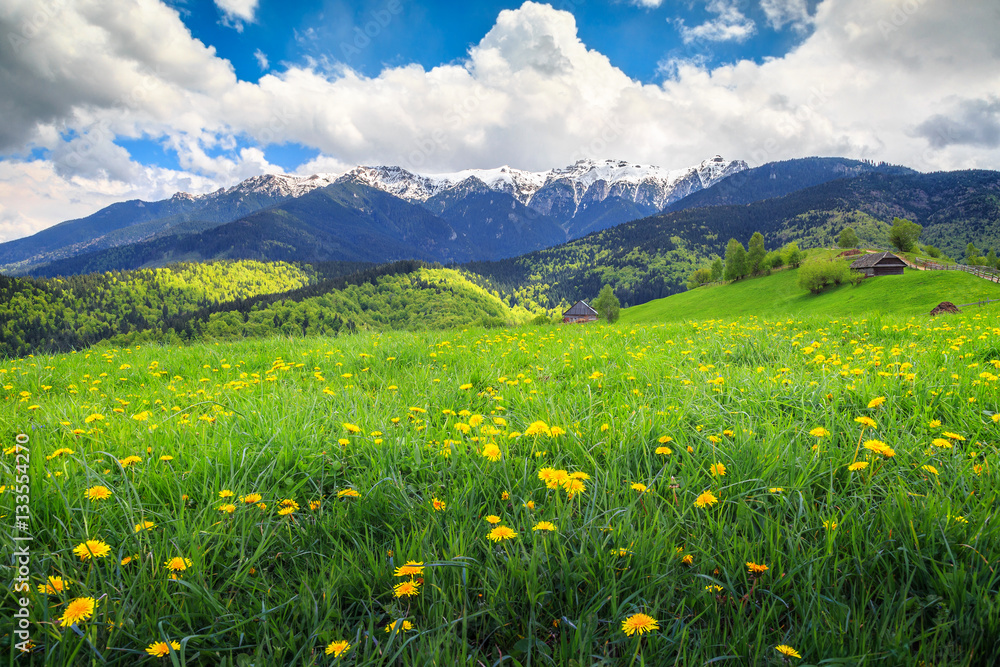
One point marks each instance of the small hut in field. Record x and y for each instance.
(879, 264)
(580, 312)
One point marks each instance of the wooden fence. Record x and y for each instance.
(984, 272)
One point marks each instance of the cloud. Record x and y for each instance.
(873, 79)
(235, 12)
(786, 12)
(973, 123)
(651, 4)
(729, 25)
(261, 60)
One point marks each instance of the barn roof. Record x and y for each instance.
(868, 261)
(580, 308)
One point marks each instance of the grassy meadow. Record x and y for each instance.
(807, 491)
(779, 295)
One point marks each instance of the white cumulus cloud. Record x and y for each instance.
(912, 83)
(729, 24)
(242, 10)
(780, 13)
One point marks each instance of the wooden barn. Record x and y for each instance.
(879, 264)
(580, 312)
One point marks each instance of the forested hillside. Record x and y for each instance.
(238, 299)
(61, 314)
(404, 295)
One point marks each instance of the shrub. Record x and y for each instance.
(816, 276)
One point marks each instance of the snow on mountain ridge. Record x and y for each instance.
(655, 186)
(274, 185)
(588, 181)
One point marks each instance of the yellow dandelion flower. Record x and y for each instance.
(934, 423)
(338, 648)
(160, 649)
(501, 533)
(544, 525)
(819, 432)
(830, 524)
(399, 626)
(574, 486)
(664, 439)
(942, 443)
(953, 436)
(352, 429)
(406, 589)
(166, 457)
(665, 451)
(491, 452)
(226, 493)
(144, 525)
(529, 505)
(787, 651)
(866, 421)
(288, 502)
(688, 560)
(754, 568)
(129, 460)
(53, 586)
(90, 419)
(538, 428)
(439, 505)
(177, 564)
(348, 493)
(776, 489)
(860, 465)
(411, 568)
(250, 498)
(706, 499)
(91, 549)
(286, 511)
(876, 402)
(879, 447)
(929, 468)
(717, 470)
(80, 609)
(640, 487)
(639, 624)
(492, 518)
(98, 493)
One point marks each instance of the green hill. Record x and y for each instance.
(777, 295)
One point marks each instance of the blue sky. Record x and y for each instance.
(371, 35)
(635, 38)
(110, 101)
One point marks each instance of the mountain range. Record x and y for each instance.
(473, 214)
(564, 231)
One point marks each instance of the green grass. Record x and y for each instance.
(778, 295)
(900, 580)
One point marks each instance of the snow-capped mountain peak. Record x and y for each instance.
(589, 180)
(270, 185)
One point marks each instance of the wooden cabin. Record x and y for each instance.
(879, 264)
(580, 312)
